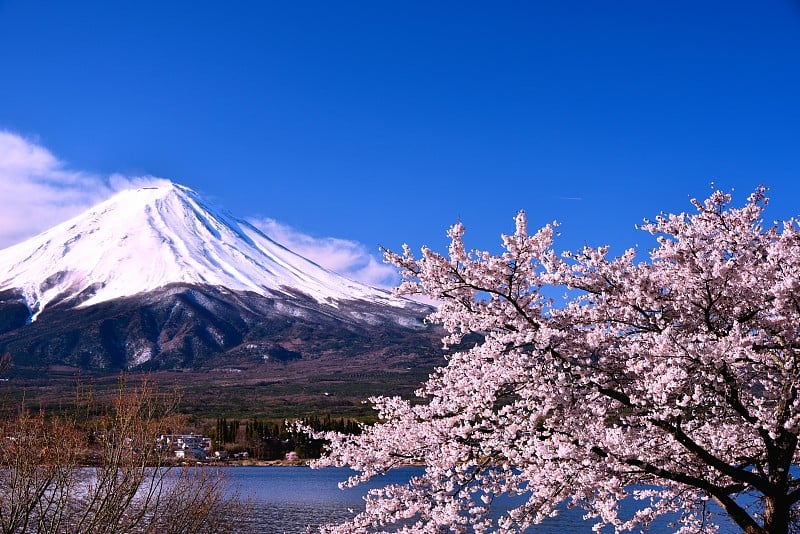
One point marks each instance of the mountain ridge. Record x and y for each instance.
(155, 278)
(143, 239)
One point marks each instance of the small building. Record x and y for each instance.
(191, 454)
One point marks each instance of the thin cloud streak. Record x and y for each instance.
(343, 256)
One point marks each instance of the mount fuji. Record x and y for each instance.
(157, 278)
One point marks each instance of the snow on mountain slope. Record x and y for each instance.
(143, 239)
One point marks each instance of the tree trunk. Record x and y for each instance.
(776, 515)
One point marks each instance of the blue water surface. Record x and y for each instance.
(291, 499)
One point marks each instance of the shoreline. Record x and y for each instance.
(259, 463)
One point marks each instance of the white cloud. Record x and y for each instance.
(343, 256)
(37, 190)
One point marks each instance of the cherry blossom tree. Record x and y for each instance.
(670, 382)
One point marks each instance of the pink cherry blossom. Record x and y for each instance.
(670, 380)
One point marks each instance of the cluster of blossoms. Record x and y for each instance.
(671, 381)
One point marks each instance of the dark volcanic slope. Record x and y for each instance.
(157, 282)
(203, 327)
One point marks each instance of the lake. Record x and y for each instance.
(289, 499)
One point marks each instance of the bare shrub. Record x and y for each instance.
(103, 472)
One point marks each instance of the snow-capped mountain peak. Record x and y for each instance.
(144, 239)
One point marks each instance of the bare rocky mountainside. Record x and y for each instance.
(156, 280)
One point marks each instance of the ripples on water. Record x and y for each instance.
(292, 518)
(291, 499)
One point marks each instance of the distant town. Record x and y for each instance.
(253, 440)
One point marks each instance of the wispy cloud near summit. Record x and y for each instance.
(37, 190)
(343, 256)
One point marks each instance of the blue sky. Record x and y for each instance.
(384, 122)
